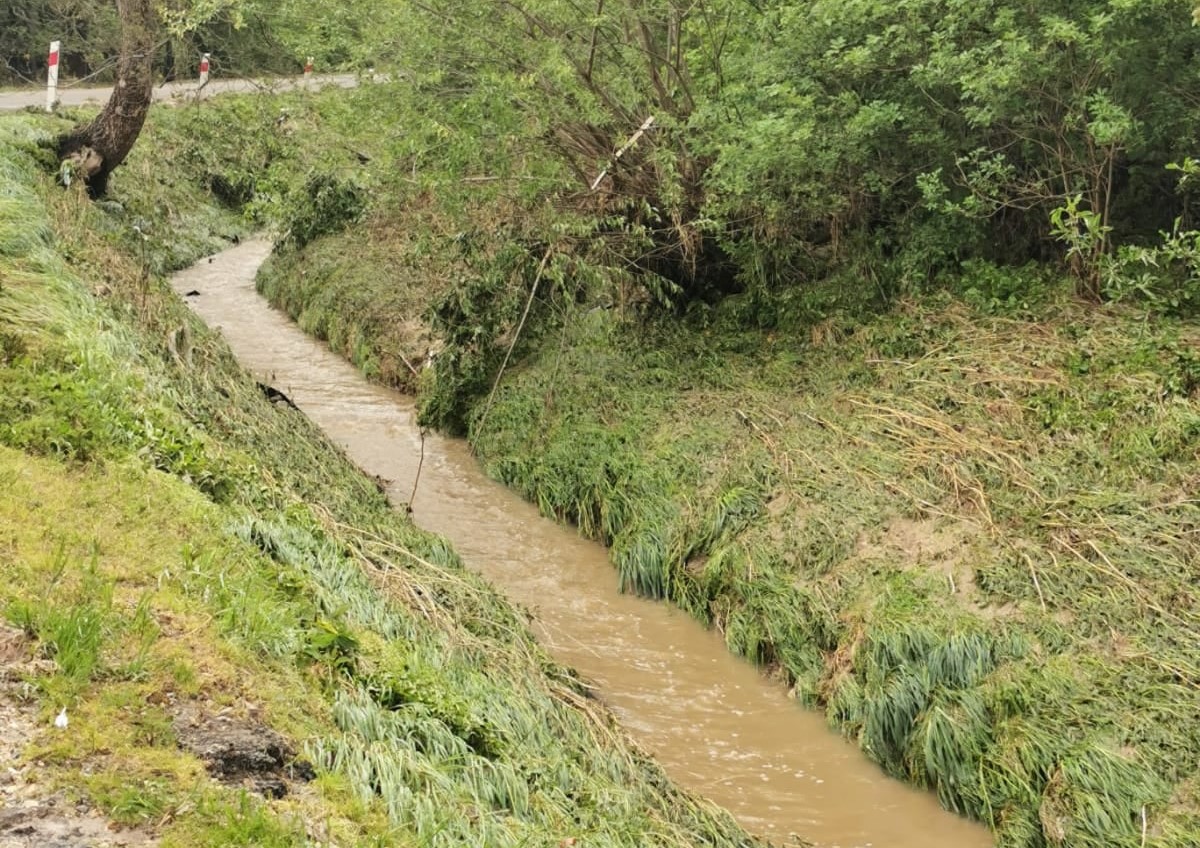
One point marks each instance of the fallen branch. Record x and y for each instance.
(517, 335)
(647, 124)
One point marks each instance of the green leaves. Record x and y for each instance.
(1109, 123)
(996, 111)
(324, 204)
(182, 18)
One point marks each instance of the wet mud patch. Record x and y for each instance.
(937, 546)
(240, 751)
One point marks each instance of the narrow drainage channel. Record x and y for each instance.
(714, 722)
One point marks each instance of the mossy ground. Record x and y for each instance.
(170, 537)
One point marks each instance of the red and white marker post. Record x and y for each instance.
(203, 71)
(52, 76)
(308, 67)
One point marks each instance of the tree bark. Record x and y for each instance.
(114, 131)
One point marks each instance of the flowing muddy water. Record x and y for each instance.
(714, 722)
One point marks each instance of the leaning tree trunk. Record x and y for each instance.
(102, 145)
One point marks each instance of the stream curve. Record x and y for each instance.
(715, 723)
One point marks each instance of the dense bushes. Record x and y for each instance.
(806, 160)
(243, 38)
(323, 205)
(928, 132)
(792, 139)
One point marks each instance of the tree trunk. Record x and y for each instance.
(104, 143)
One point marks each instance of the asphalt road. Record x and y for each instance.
(175, 92)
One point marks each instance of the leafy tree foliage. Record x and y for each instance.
(244, 37)
(792, 139)
(88, 29)
(890, 120)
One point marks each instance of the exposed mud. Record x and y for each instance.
(935, 545)
(240, 751)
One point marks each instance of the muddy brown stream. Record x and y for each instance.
(715, 723)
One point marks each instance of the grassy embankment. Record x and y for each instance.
(969, 532)
(177, 545)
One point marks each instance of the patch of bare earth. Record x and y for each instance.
(240, 750)
(32, 814)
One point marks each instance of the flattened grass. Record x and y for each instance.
(971, 538)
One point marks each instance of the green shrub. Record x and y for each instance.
(324, 204)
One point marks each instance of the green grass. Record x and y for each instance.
(965, 529)
(169, 537)
(970, 538)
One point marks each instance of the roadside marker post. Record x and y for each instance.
(52, 75)
(308, 66)
(203, 71)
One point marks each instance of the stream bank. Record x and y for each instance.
(962, 532)
(959, 527)
(183, 559)
(715, 723)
